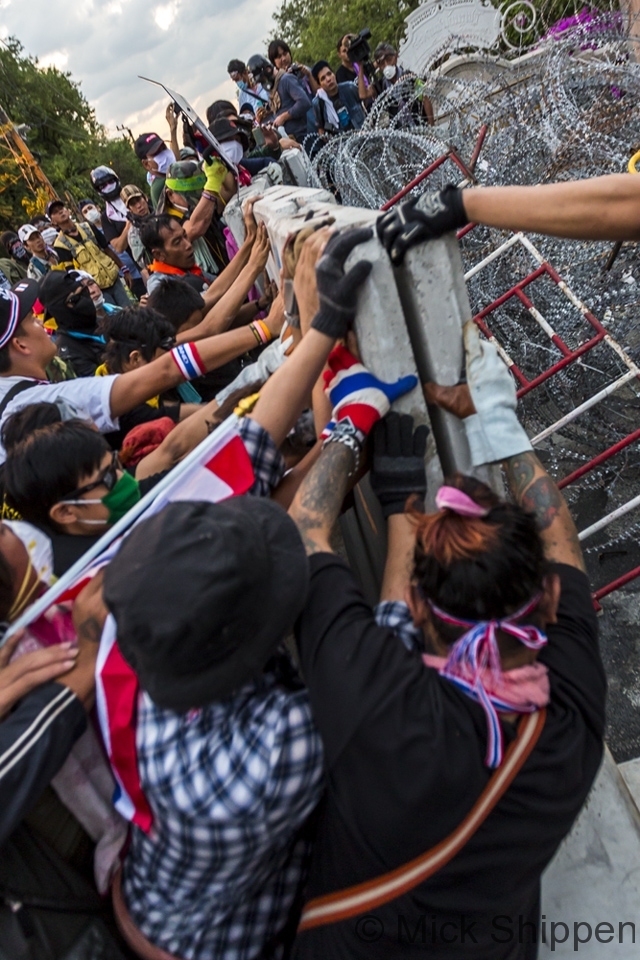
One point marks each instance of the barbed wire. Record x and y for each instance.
(568, 109)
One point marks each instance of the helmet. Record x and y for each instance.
(105, 181)
(261, 70)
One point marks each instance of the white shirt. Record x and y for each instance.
(90, 395)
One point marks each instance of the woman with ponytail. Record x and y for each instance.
(462, 722)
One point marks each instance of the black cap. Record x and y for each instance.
(146, 143)
(15, 304)
(227, 128)
(53, 203)
(203, 593)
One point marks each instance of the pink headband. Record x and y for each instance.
(451, 498)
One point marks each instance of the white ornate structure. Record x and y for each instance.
(435, 25)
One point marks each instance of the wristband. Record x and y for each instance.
(264, 330)
(258, 334)
(349, 436)
(188, 361)
(209, 196)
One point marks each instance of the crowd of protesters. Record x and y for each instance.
(279, 770)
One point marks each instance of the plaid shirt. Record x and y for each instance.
(230, 785)
(396, 615)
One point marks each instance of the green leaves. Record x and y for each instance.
(64, 136)
(313, 30)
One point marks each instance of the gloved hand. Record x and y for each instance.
(493, 431)
(398, 469)
(427, 218)
(216, 172)
(337, 290)
(356, 395)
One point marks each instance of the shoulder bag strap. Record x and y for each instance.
(14, 391)
(365, 897)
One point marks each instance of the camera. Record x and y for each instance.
(359, 50)
(296, 70)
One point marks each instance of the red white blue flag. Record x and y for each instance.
(222, 470)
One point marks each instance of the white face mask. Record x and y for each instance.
(38, 547)
(98, 301)
(49, 235)
(92, 215)
(164, 159)
(389, 71)
(233, 151)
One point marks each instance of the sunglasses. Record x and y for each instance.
(107, 478)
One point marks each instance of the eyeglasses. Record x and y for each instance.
(107, 478)
(386, 58)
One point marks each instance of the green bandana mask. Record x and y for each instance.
(124, 495)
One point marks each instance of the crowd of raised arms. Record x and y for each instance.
(212, 747)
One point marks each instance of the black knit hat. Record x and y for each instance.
(203, 593)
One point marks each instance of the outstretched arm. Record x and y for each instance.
(222, 314)
(138, 386)
(601, 208)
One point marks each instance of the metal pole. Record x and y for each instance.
(25, 157)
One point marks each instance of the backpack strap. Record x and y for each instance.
(14, 391)
(364, 897)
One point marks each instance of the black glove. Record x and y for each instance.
(398, 462)
(426, 218)
(337, 290)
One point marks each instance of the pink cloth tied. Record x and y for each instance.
(450, 498)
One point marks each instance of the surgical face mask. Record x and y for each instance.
(38, 547)
(164, 159)
(98, 301)
(121, 498)
(18, 251)
(92, 214)
(233, 151)
(242, 85)
(390, 71)
(49, 235)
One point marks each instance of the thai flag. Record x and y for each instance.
(222, 470)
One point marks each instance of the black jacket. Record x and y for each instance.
(35, 740)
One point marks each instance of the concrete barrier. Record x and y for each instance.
(410, 321)
(594, 878)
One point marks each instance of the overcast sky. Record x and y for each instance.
(107, 43)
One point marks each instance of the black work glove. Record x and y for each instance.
(427, 218)
(337, 290)
(398, 469)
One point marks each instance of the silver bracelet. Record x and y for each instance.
(291, 313)
(345, 433)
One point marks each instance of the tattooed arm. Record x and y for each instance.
(534, 490)
(318, 501)
(531, 485)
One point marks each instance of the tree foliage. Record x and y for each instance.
(313, 29)
(64, 135)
